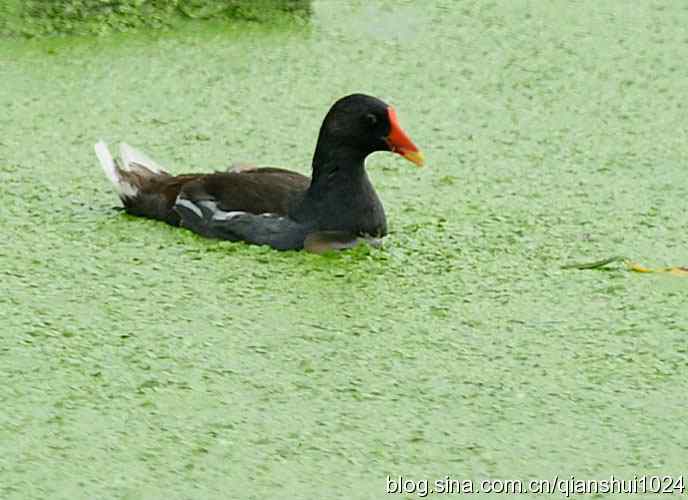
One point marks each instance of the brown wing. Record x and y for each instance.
(266, 190)
(260, 190)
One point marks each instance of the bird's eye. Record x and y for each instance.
(371, 118)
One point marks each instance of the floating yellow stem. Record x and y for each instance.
(676, 271)
(634, 266)
(629, 264)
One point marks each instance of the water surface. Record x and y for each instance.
(140, 361)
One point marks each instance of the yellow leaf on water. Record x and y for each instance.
(679, 271)
(634, 266)
(630, 265)
(676, 271)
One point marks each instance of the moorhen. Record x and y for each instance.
(336, 208)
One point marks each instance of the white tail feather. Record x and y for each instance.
(132, 158)
(107, 162)
(112, 172)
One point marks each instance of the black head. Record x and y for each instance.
(360, 124)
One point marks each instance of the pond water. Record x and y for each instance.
(141, 361)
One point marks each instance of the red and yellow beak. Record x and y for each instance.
(399, 142)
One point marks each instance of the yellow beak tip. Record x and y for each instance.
(415, 157)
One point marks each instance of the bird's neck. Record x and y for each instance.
(338, 181)
(337, 166)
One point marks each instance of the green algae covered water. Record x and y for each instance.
(141, 361)
(30, 18)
